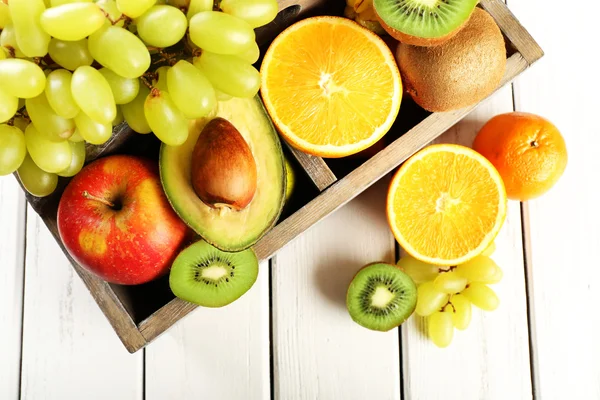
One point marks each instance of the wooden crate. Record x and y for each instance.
(139, 314)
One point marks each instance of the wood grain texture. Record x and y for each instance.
(319, 352)
(68, 349)
(12, 249)
(315, 167)
(489, 360)
(563, 225)
(335, 196)
(220, 353)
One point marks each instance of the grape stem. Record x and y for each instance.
(88, 196)
(147, 79)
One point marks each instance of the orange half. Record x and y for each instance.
(331, 86)
(446, 204)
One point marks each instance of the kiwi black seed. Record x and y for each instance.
(207, 276)
(381, 297)
(423, 22)
(458, 73)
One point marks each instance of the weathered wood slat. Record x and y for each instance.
(65, 338)
(315, 167)
(218, 353)
(12, 254)
(562, 227)
(490, 358)
(319, 352)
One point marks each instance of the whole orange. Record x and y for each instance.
(527, 150)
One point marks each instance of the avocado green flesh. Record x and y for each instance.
(227, 229)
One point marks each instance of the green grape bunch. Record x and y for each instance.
(445, 294)
(71, 70)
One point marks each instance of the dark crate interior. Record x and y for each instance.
(143, 300)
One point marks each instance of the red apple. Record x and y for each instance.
(115, 221)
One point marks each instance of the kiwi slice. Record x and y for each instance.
(209, 277)
(381, 297)
(423, 22)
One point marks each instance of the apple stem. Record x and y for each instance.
(91, 197)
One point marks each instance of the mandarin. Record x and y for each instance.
(527, 150)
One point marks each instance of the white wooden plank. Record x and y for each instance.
(69, 348)
(12, 236)
(564, 224)
(220, 353)
(490, 360)
(319, 352)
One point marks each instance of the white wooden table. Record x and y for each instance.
(291, 338)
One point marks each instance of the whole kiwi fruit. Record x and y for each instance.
(458, 73)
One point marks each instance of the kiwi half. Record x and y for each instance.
(381, 297)
(423, 22)
(209, 277)
(458, 73)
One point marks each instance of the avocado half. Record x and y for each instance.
(227, 229)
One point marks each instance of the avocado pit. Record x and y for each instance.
(223, 168)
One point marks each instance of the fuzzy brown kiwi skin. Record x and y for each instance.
(458, 73)
(415, 40)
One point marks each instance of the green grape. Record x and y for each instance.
(4, 15)
(54, 127)
(35, 180)
(134, 8)
(25, 15)
(76, 137)
(120, 50)
(110, 8)
(251, 54)
(74, 21)
(91, 131)
(221, 33)
(124, 90)
(449, 282)
(93, 95)
(429, 299)
(77, 160)
(21, 78)
(58, 93)
(230, 74)
(2, 51)
(70, 55)
(12, 149)
(50, 156)
(167, 122)
(8, 40)
(254, 12)
(418, 270)
(462, 311)
(490, 250)
(119, 118)
(440, 328)
(134, 112)
(481, 296)
(479, 269)
(162, 26)
(160, 81)
(191, 92)
(495, 277)
(197, 6)
(56, 3)
(222, 96)
(9, 105)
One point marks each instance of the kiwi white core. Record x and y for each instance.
(214, 272)
(427, 3)
(381, 297)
